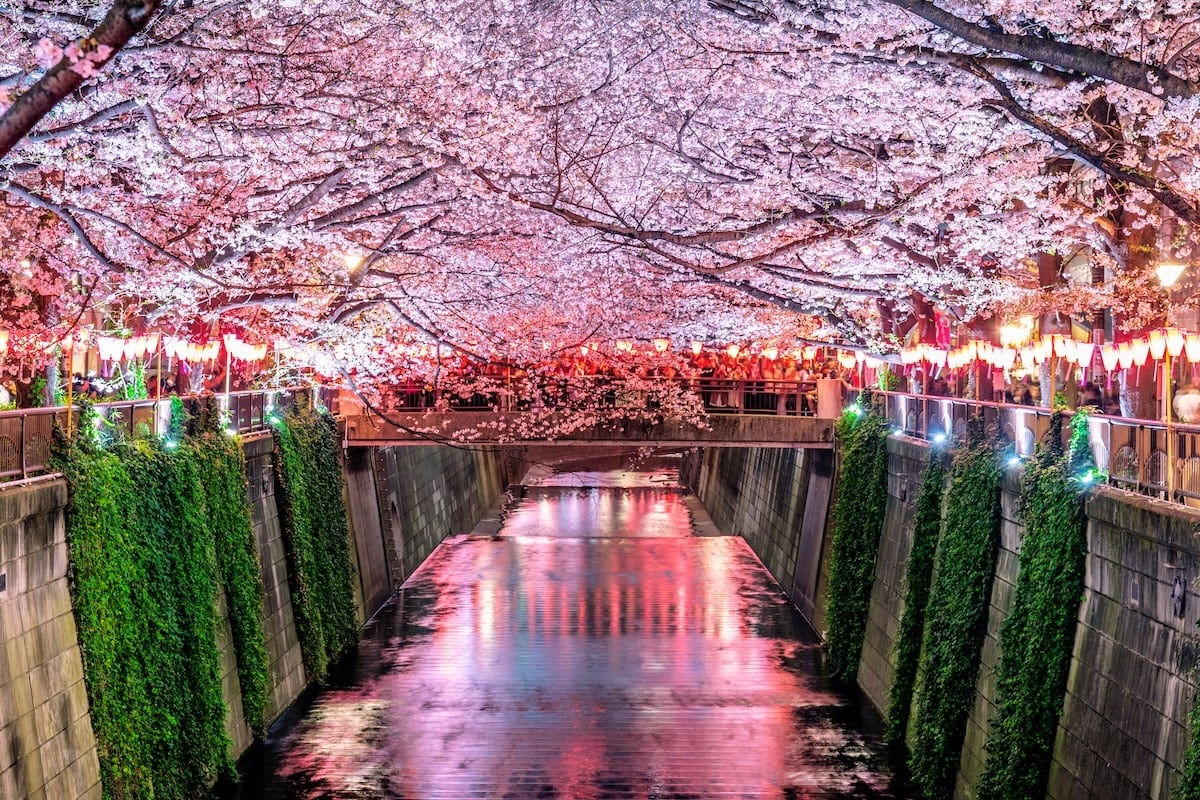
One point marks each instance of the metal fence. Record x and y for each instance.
(26, 434)
(718, 395)
(1131, 452)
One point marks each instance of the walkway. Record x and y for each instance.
(597, 648)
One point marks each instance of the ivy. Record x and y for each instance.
(316, 536)
(1037, 638)
(1188, 785)
(224, 467)
(858, 521)
(956, 615)
(145, 582)
(927, 523)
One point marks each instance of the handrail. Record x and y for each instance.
(718, 395)
(26, 434)
(1130, 453)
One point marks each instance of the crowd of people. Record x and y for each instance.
(782, 384)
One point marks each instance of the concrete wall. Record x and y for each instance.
(425, 493)
(907, 459)
(283, 643)
(1124, 722)
(47, 749)
(1130, 689)
(775, 498)
(970, 768)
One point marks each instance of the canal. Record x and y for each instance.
(605, 644)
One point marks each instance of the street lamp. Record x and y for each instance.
(1168, 273)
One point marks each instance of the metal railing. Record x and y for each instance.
(719, 395)
(1131, 452)
(26, 434)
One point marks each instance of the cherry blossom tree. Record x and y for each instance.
(494, 175)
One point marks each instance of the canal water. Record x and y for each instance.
(603, 645)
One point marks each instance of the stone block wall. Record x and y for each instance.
(1130, 688)
(425, 493)
(1004, 581)
(907, 459)
(283, 643)
(776, 499)
(47, 749)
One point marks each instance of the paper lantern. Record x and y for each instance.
(847, 360)
(110, 347)
(770, 353)
(1158, 345)
(1175, 342)
(1027, 358)
(3, 341)
(1066, 349)
(733, 350)
(1125, 355)
(1005, 357)
(661, 345)
(1108, 355)
(810, 353)
(1191, 346)
(1141, 351)
(1084, 351)
(936, 357)
(697, 347)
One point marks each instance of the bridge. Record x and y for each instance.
(515, 427)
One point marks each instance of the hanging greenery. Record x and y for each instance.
(224, 468)
(956, 615)
(145, 582)
(1037, 638)
(858, 520)
(927, 525)
(316, 536)
(1187, 787)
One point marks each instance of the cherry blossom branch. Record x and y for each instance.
(1184, 208)
(66, 216)
(125, 19)
(1125, 71)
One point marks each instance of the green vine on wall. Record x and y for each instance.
(316, 536)
(858, 520)
(927, 525)
(224, 467)
(1037, 638)
(145, 582)
(956, 615)
(1187, 787)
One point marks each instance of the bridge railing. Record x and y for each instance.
(718, 395)
(1132, 453)
(26, 434)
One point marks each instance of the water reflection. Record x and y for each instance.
(596, 649)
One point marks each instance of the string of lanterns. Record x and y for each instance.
(1114, 356)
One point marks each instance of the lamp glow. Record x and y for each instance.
(1168, 272)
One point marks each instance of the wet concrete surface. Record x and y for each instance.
(596, 648)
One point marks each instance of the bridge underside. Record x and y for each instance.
(492, 428)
